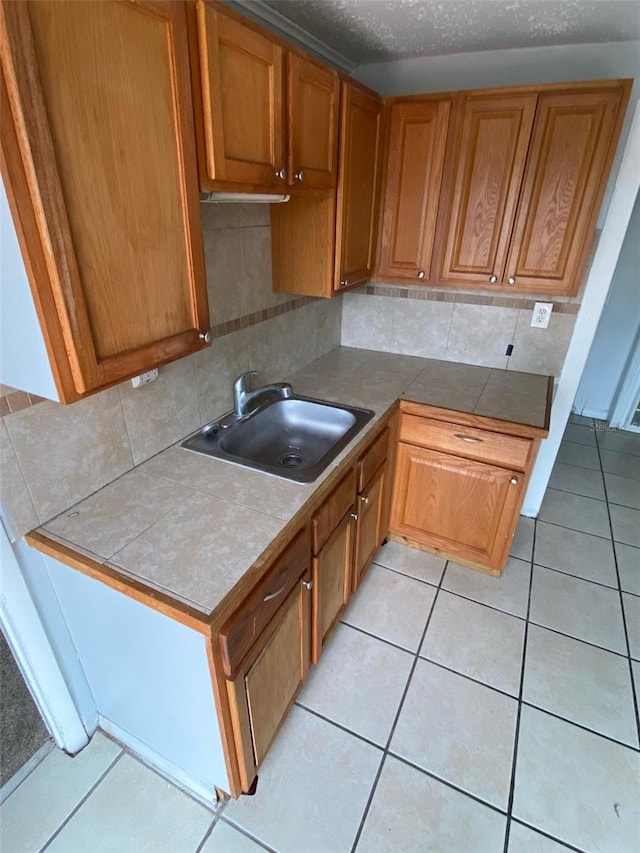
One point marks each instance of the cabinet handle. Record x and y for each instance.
(470, 438)
(514, 481)
(512, 279)
(364, 499)
(205, 336)
(282, 174)
(271, 595)
(354, 516)
(493, 278)
(344, 282)
(420, 274)
(299, 176)
(307, 584)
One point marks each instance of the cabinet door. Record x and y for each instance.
(463, 508)
(484, 175)
(242, 99)
(313, 92)
(369, 530)
(414, 163)
(360, 127)
(331, 572)
(98, 152)
(573, 142)
(270, 679)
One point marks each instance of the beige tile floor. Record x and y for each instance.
(450, 712)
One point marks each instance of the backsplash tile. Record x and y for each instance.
(413, 320)
(160, 413)
(216, 368)
(480, 335)
(421, 327)
(67, 452)
(17, 510)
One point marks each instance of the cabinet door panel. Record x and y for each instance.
(415, 158)
(314, 93)
(486, 168)
(100, 96)
(331, 573)
(369, 529)
(242, 88)
(360, 126)
(570, 150)
(465, 508)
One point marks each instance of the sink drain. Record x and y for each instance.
(291, 460)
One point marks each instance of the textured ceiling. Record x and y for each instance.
(365, 31)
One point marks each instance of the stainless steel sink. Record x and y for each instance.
(294, 438)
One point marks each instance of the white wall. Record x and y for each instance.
(617, 330)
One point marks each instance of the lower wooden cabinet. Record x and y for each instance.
(263, 681)
(331, 569)
(369, 530)
(458, 487)
(460, 507)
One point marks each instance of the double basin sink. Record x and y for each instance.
(294, 438)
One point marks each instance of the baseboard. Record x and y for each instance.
(28, 767)
(176, 775)
(598, 414)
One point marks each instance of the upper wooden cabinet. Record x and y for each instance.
(241, 78)
(517, 202)
(416, 143)
(491, 139)
(324, 241)
(572, 146)
(313, 93)
(360, 144)
(99, 163)
(266, 116)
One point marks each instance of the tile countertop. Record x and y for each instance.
(186, 528)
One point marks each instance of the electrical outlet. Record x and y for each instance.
(541, 314)
(145, 378)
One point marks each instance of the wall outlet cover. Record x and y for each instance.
(541, 314)
(145, 378)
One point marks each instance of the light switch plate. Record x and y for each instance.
(541, 314)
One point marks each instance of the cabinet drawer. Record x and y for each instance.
(369, 463)
(332, 511)
(246, 624)
(470, 442)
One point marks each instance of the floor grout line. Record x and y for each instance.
(546, 834)
(398, 714)
(634, 692)
(516, 740)
(82, 801)
(230, 822)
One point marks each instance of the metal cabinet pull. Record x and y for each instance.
(307, 584)
(364, 499)
(470, 438)
(354, 516)
(282, 174)
(344, 282)
(420, 274)
(514, 481)
(271, 595)
(205, 336)
(493, 278)
(299, 176)
(512, 279)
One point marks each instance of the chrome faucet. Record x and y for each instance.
(243, 396)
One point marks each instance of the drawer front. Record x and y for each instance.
(369, 463)
(333, 510)
(244, 627)
(470, 442)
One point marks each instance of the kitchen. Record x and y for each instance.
(107, 434)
